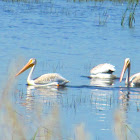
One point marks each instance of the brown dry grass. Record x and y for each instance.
(49, 127)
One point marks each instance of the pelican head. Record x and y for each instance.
(30, 64)
(126, 65)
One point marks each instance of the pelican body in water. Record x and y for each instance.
(134, 80)
(103, 71)
(45, 79)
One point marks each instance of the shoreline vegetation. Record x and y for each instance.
(128, 16)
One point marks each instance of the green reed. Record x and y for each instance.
(129, 14)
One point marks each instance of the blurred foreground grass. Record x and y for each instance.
(122, 130)
(49, 127)
(11, 127)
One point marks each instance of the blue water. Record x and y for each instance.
(67, 38)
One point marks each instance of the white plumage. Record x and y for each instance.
(50, 79)
(133, 80)
(103, 71)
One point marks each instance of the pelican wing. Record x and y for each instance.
(51, 78)
(135, 79)
(103, 68)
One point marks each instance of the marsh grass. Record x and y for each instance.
(122, 130)
(25, 1)
(47, 127)
(80, 133)
(129, 14)
(12, 128)
(103, 21)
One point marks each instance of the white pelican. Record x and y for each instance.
(45, 79)
(134, 80)
(103, 71)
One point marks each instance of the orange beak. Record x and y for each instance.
(123, 70)
(27, 66)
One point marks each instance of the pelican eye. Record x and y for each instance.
(128, 62)
(31, 61)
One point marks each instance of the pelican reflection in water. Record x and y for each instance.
(50, 79)
(101, 82)
(134, 80)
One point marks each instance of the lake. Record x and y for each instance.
(69, 38)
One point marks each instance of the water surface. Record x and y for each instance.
(70, 38)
